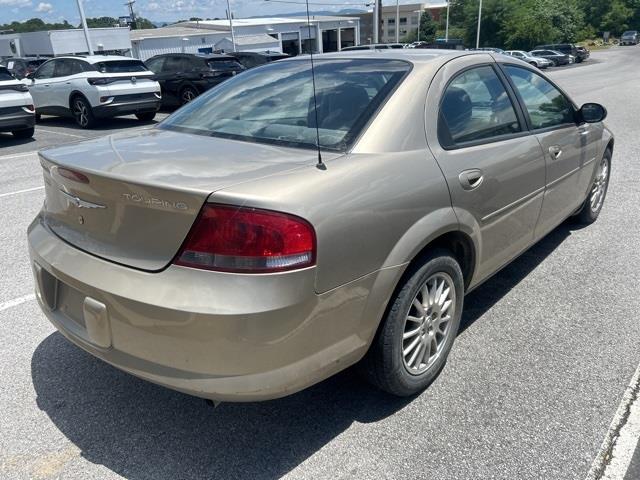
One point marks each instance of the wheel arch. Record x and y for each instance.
(74, 94)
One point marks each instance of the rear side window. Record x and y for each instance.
(121, 66)
(224, 64)
(155, 64)
(476, 106)
(547, 106)
(4, 74)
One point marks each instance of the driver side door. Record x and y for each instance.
(40, 85)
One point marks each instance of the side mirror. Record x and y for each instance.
(29, 76)
(592, 113)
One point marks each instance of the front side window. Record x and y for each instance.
(275, 104)
(476, 106)
(546, 105)
(46, 70)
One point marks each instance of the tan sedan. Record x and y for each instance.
(263, 238)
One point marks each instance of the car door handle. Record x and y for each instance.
(555, 152)
(471, 179)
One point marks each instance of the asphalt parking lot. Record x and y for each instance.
(538, 373)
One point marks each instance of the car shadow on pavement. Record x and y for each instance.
(8, 140)
(491, 292)
(143, 431)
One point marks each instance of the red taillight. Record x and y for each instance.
(72, 175)
(238, 239)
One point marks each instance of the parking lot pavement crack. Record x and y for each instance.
(607, 450)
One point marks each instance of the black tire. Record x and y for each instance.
(24, 133)
(590, 213)
(146, 116)
(187, 94)
(385, 364)
(82, 112)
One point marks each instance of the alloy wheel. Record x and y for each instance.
(188, 95)
(600, 184)
(427, 325)
(81, 113)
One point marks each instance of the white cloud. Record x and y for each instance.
(16, 3)
(44, 7)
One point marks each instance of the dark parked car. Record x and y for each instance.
(556, 57)
(630, 37)
(255, 59)
(21, 67)
(184, 76)
(583, 52)
(568, 49)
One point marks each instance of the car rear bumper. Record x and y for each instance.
(128, 105)
(15, 120)
(227, 337)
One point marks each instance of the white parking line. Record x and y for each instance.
(18, 155)
(61, 133)
(618, 447)
(20, 191)
(16, 301)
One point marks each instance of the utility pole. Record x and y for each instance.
(233, 38)
(132, 15)
(446, 30)
(479, 21)
(83, 19)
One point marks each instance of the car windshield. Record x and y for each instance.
(275, 103)
(4, 74)
(121, 66)
(223, 64)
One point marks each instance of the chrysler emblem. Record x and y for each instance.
(78, 202)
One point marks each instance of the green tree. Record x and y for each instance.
(427, 28)
(617, 19)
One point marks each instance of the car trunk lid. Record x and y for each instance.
(133, 198)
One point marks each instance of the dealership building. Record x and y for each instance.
(114, 40)
(291, 35)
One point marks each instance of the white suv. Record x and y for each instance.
(17, 114)
(95, 86)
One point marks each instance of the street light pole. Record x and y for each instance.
(479, 21)
(446, 30)
(233, 38)
(397, 21)
(83, 19)
(376, 21)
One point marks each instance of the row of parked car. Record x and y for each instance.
(91, 87)
(552, 55)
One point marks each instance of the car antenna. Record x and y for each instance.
(320, 165)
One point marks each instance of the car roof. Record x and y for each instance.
(413, 55)
(97, 58)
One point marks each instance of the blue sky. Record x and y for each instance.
(159, 10)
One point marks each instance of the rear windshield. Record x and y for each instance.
(36, 63)
(223, 64)
(275, 103)
(4, 74)
(121, 66)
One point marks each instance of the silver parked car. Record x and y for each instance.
(539, 62)
(262, 238)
